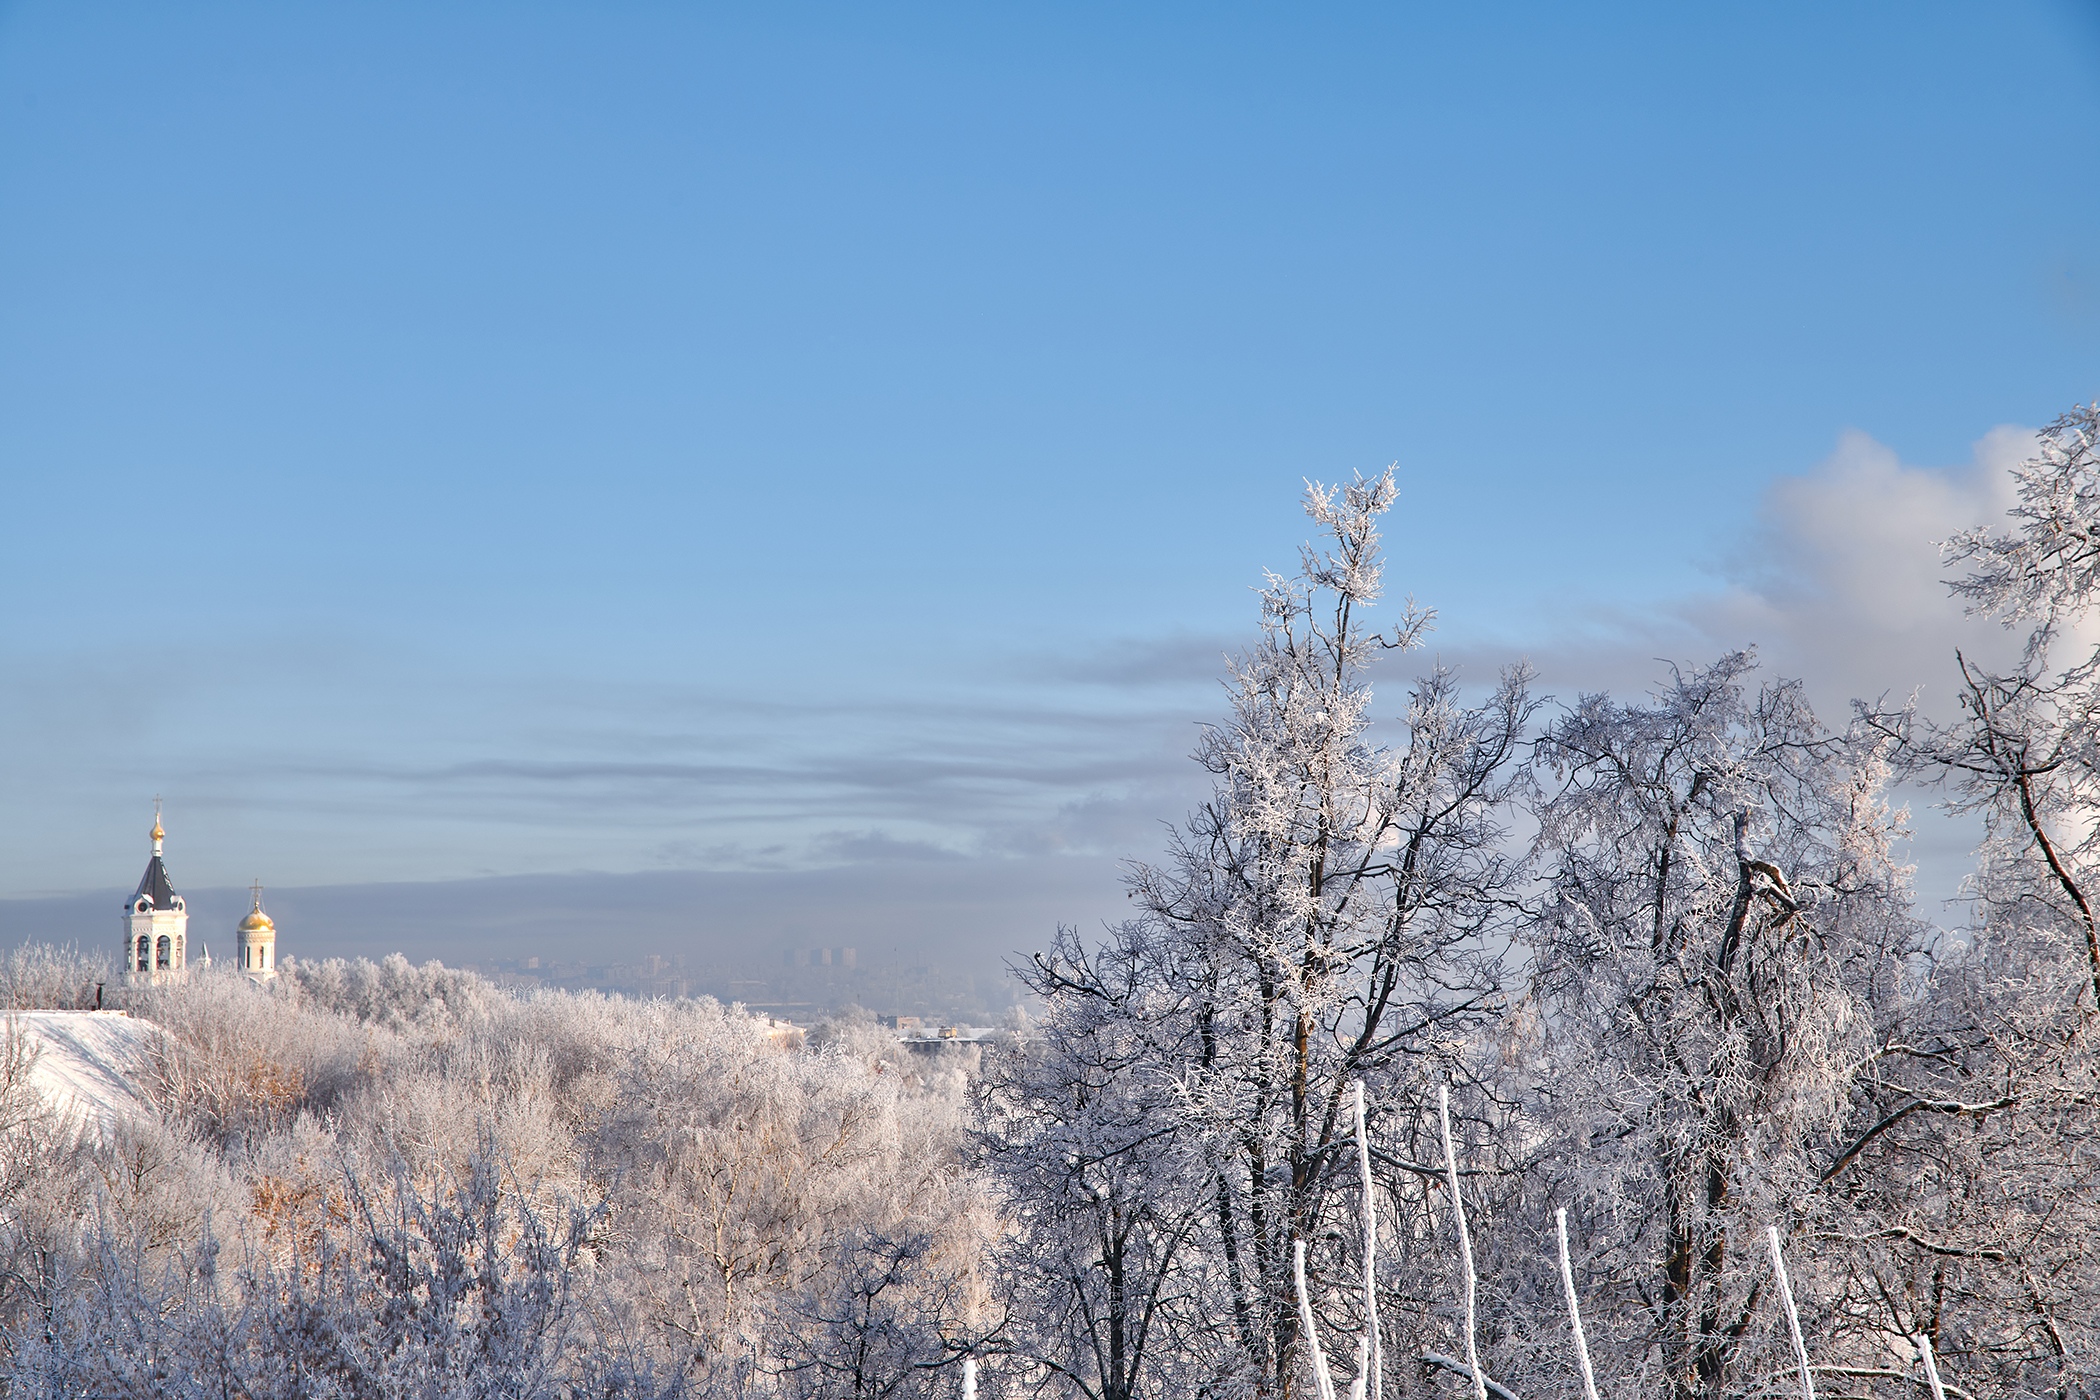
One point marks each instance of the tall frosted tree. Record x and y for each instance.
(1326, 916)
(1978, 1175)
(2026, 751)
(1718, 931)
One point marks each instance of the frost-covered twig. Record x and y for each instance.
(1932, 1370)
(1906, 1374)
(1567, 1278)
(1465, 1241)
(1459, 1368)
(1793, 1316)
(1321, 1379)
(1370, 1366)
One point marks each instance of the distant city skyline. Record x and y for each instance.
(829, 452)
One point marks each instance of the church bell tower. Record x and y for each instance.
(255, 941)
(156, 922)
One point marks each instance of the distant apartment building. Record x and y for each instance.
(821, 957)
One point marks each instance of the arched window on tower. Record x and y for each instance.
(144, 953)
(162, 952)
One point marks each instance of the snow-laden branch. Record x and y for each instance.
(1459, 1368)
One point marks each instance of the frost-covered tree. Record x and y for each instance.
(463, 1293)
(1719, 919)
(1978, 1175)
(1107, 1192)
(1325, 916)
(739, 1165)
(38, 976)
(408, 1182)
(2026, 751)
(890, 1316)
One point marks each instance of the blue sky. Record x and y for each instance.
(447, 440)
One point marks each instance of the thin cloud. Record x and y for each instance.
(1137, 663)
(1835, 578)
(1834, 575)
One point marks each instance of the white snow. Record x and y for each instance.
(89, 1064)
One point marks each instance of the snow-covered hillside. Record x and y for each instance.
(89, 1064)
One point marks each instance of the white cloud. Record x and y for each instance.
(1834, 575)
(1840, 580)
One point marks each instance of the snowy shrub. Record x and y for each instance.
(382, 1179)
(39, 976)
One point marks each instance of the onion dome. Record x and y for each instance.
(257, 921)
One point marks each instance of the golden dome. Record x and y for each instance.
(257, 921)
(158, 834)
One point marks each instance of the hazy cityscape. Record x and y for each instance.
(808, 990)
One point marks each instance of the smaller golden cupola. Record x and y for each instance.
(256, 941)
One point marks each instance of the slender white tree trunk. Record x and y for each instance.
(1793, 1317)
(1370, 1367)
(1321, 1379)
(1932, 1370)
(1465, 1244)
(1567, 1279)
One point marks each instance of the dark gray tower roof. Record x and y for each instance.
(154, 888)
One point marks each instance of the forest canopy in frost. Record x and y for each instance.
(1511, 1045)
